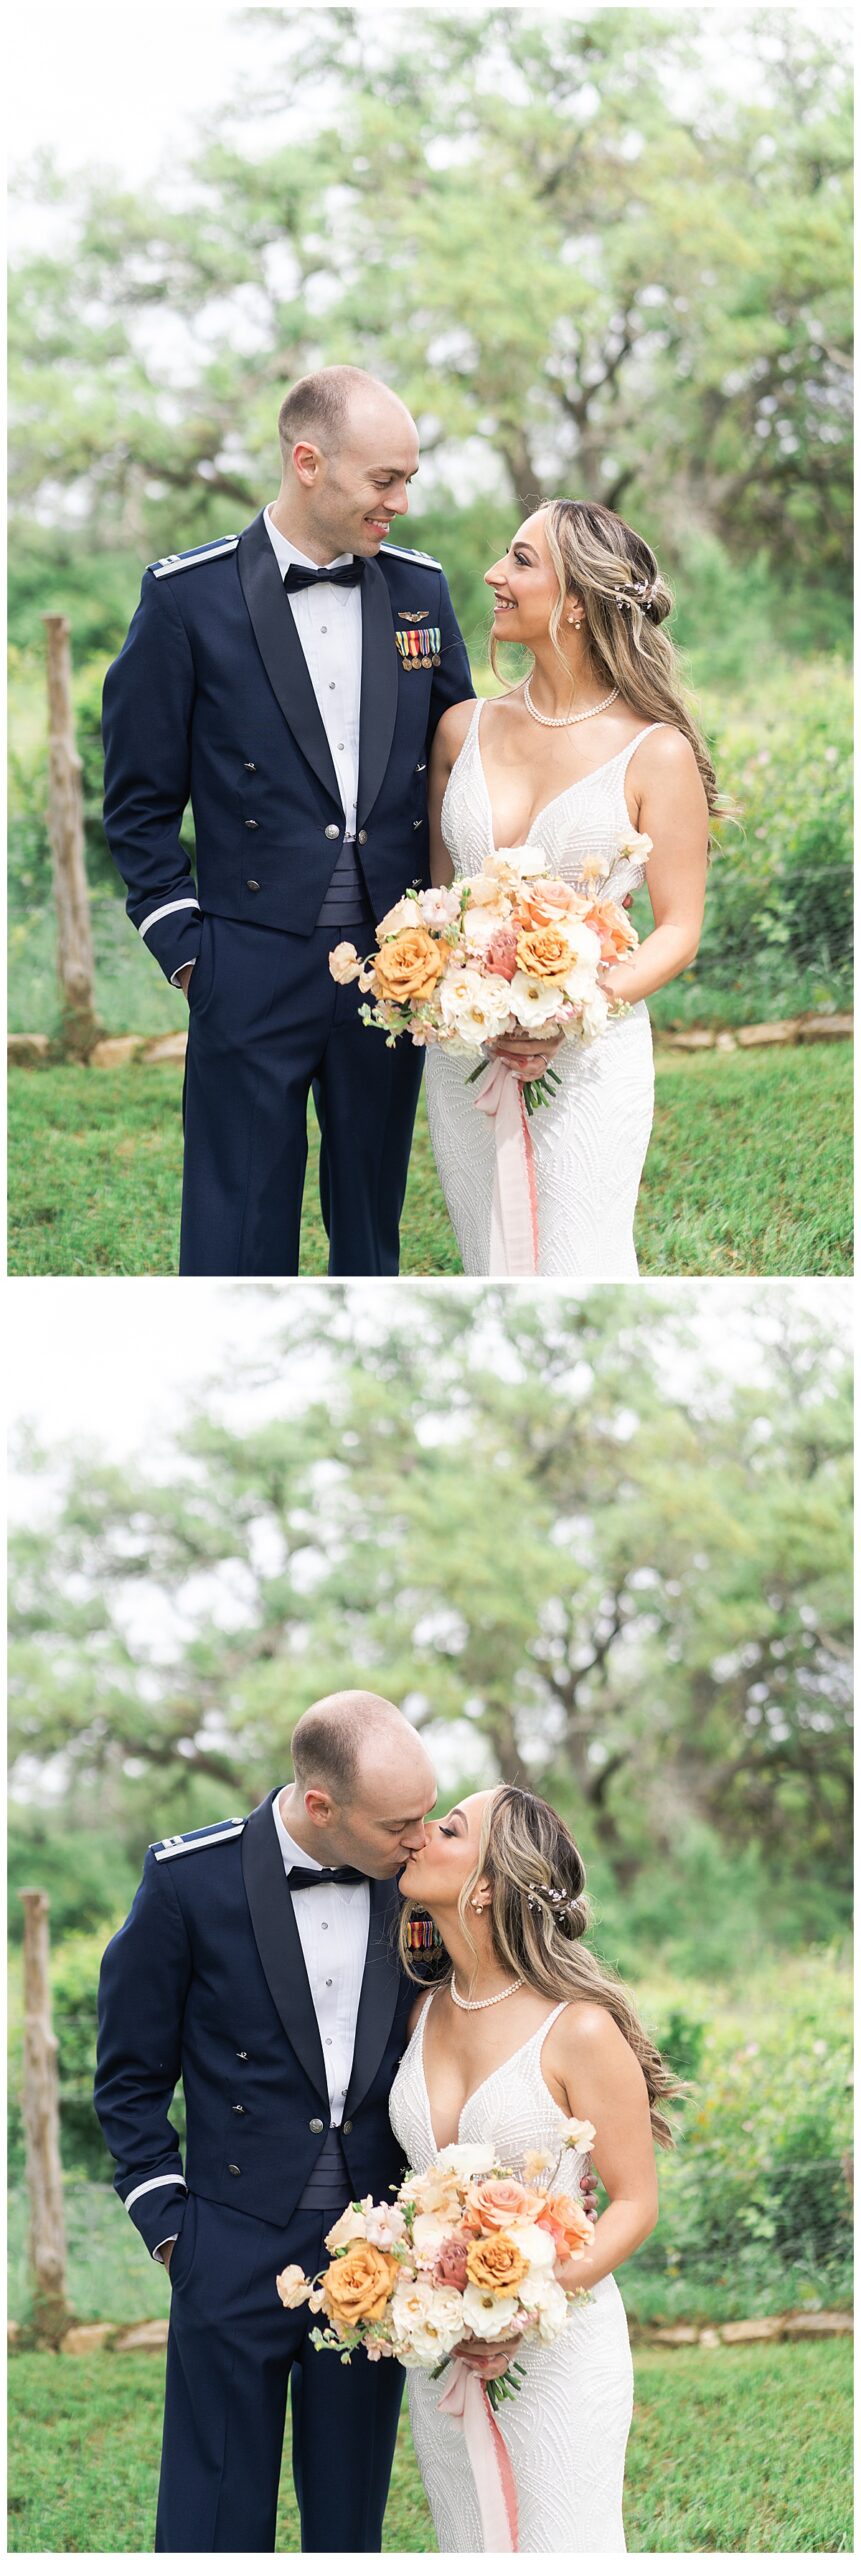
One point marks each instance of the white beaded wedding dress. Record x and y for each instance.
(590, 1143)
(567, 2429)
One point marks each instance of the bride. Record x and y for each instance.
(596, 744)
(525, 2030)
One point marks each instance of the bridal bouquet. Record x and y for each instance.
(514, 951)
(469, 2252)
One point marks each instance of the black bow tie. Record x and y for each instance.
(296, 577)
(301, 1876)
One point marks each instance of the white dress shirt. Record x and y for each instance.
(333, 1923)
(329, 624)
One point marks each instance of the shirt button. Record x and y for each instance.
(324, 628)
(328, 2039)
(332, 685)
(315, 2124)
(324, 1924)
(329, 1979)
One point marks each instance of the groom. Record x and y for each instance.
(287, 682)
(259, 1962)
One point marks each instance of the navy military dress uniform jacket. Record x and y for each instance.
(206, 1982)
(210, 702)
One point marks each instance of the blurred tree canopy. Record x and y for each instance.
(582, 262)
(539, 1521)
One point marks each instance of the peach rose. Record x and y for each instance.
(545, 901)
(406, 970)
(615, 933)
(567, 2224)
(495, 2264)
(344, 964)
(498, 2202)
(357, 2287)
(545, 952)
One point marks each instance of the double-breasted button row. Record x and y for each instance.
(331, 833)
(315, 2124)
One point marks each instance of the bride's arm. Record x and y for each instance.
(603, 2081)
(448, 739)
(674, 812)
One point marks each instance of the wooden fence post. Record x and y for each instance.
(66, 830)
(51, 2315)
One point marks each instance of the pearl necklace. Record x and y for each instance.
(568, 718)
(460, 2003)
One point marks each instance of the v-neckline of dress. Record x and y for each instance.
(558, 796)
(541, 2030)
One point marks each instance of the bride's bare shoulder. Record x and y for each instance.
(451, 730)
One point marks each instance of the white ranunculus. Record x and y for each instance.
(468, 2159)
(427, 2319)
(475, 1007)
(533, 1001)
(579, 2134)
(439, 907)
(488, 2315)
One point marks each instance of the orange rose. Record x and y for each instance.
(545, 952)
(357, 2286)
(615, 934)
(567, 2224)
(496, 2265)
(407, 968)
(497, 2202)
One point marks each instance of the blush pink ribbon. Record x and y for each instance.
(514, 1202)
(465, 2400)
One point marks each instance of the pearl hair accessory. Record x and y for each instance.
(641, 591)
(559, 1901)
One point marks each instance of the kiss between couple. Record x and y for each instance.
(313, 2065)
(304, 685)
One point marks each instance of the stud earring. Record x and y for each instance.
(476, 1906)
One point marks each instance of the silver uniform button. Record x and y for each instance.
(316, 2124)
(331, 832)
(362, 836)
(235, 2172)
(347, 2126)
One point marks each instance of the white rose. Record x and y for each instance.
(533, 1001)
(488, 2315)
(429, 2232)
(536, 2245)
(474, 1007)
(583, 943)
(546, 2300)
(468, 2159)
(404, 912)
(350, 2226)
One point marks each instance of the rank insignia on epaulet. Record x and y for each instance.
(180, 1842)
(174, 560)
(391, 551)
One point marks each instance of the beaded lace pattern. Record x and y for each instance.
(590, 1144)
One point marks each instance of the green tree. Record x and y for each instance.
(536, 1520)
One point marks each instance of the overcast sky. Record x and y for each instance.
(113, 87)
(119, 1362)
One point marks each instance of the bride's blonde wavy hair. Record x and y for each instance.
(538, 1915)
(625, 598)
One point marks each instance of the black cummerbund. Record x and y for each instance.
(328, 2188)
(346, 904)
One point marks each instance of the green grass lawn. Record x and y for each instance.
(743, 2449)
(749, 1172)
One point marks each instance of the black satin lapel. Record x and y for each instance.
(380, 1985)
(379, 695)
(278, 1943)
(282, 652)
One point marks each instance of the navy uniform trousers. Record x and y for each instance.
(266, 1022)
(232, 2351)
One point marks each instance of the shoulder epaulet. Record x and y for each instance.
(391, 551)
(180, 1842)
(174, 560)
